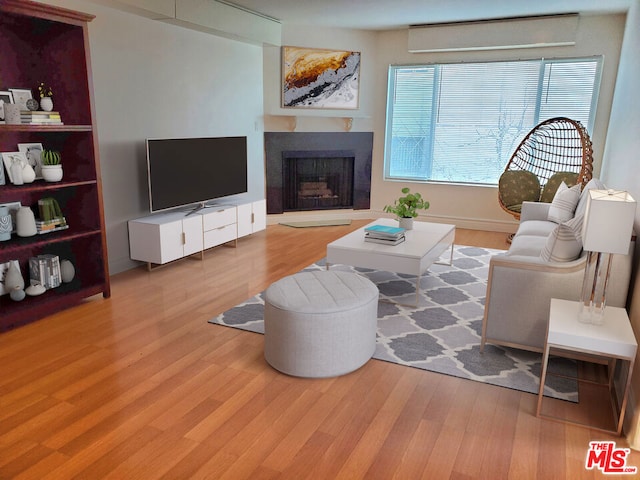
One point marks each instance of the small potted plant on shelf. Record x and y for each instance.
(51, 166)
(406, 207)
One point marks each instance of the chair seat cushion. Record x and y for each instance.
(527, 245)
(540, 228)
(551, 187)
(517, 186)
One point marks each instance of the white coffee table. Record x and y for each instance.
(423, 246)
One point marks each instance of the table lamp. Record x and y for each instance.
(607, 230)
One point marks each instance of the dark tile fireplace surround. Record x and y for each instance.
(318, 170)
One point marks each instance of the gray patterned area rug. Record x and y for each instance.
(441, 334)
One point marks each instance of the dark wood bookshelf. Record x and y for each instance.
(43, 43)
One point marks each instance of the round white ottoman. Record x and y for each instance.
(320, 323)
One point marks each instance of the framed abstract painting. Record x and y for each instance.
(317, 78)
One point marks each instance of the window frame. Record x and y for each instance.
(393, 68)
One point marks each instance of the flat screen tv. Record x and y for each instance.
(194, 171)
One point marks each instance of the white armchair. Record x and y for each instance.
(521, 284)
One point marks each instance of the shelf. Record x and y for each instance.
(45, 239)
(46, 128)
(15, 314)
(28, 29)
(40, 186)
(292, 117)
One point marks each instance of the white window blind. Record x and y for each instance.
(461, 122)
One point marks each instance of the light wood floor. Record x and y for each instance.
(141, 386)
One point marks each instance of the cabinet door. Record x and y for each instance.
(259, 209)
(171, 242)
(192, 230)
(252, 217)
(245, 226)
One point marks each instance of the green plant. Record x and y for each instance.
(408, 205)
(45, 90)
(51, 157)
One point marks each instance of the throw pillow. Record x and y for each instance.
(552, 185)
(564, 243)
(594, 183)
(517, 186)
(564, 203)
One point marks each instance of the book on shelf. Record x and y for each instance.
(45, 270)
(53, 225)
(383, 241)
(40, 118)
(39, 113)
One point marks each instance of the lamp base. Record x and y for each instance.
(594, 288)
(591, 313)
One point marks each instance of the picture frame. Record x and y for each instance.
(33, 154)
(8, 158)
(320, 78)
(13, 210)
(20, 97)
(5, 97)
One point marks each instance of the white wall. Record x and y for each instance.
(154, 80)
(466, 206)
(621, 167)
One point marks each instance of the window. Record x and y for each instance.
(460, 123)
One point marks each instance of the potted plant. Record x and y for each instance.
(51, 166)
(45, 92)
(406, 207)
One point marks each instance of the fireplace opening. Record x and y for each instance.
(314, 181)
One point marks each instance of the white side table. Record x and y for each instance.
(613, 340)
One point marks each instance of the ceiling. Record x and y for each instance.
(393, 14)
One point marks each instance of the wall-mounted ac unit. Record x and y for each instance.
(546, 31)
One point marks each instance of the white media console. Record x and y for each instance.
(161, 238)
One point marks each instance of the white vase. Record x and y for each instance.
(28, 173)
(25, 222)
(67, 271)
(52, 173)
(46, 104)
(6, 224)
(406, 223)
(13, 279)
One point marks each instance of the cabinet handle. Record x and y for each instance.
(253, 218)
(184, 238)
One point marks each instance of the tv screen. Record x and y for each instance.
(185, 171)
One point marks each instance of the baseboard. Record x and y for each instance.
(489, 225)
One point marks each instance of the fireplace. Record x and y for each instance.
(318, 170)
(318, 180)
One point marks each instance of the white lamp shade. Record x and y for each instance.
(608, 221)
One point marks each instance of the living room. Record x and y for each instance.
(152, 79)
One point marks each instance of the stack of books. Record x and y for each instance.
(37, 117)
(384, 235)
(53, 225)
(45, 270)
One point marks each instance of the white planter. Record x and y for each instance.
(406, 223)
(52, 173)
